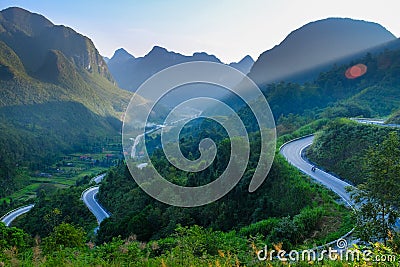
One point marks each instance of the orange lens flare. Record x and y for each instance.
(356, 71)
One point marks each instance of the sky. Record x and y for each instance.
(229, 29)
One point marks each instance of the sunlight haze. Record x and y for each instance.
(228, 29)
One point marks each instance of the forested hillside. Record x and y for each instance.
(335, 93)
(56, 100)
(284, 195)
(342, 145)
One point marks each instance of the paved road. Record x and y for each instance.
(89, 198)
(292, 151)
(375, 122)
(10, 217)
(98, 178)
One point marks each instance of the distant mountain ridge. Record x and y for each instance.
(130, 72)
(315, 44)
(244, 65)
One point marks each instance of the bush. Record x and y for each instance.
(12, 237)
(308, 219)
(263, 227)
(65, 236)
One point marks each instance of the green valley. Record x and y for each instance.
(56, 101)
(62, 118)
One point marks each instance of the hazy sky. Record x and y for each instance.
(229, 29)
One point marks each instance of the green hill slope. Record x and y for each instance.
(333, 94)
(56, 94)
(342, 146)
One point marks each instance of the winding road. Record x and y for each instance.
(293, 152)
(12, 215)
(98, 178)
(89, 198)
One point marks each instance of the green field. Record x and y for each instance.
(67, 171)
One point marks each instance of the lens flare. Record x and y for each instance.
(356, 71)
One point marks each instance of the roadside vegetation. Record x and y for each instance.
(187, 246)
(367, 156)
(342, 146)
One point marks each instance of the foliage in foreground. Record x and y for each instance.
(188, 246)
(378, 196)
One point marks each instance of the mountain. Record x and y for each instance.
(19, 27)
(316, 44)
(45, 62)
(118, 64)
(131, 72)
(243, 65)
(372, 92)
(120, 56)
(56, 94)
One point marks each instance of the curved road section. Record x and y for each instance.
(89, 198)
(293, 152)
(11, 216)
(98, 178)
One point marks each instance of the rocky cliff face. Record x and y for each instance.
(19, 26)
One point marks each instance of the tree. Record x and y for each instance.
(378, 197)
(12, 237)
(65, 236)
